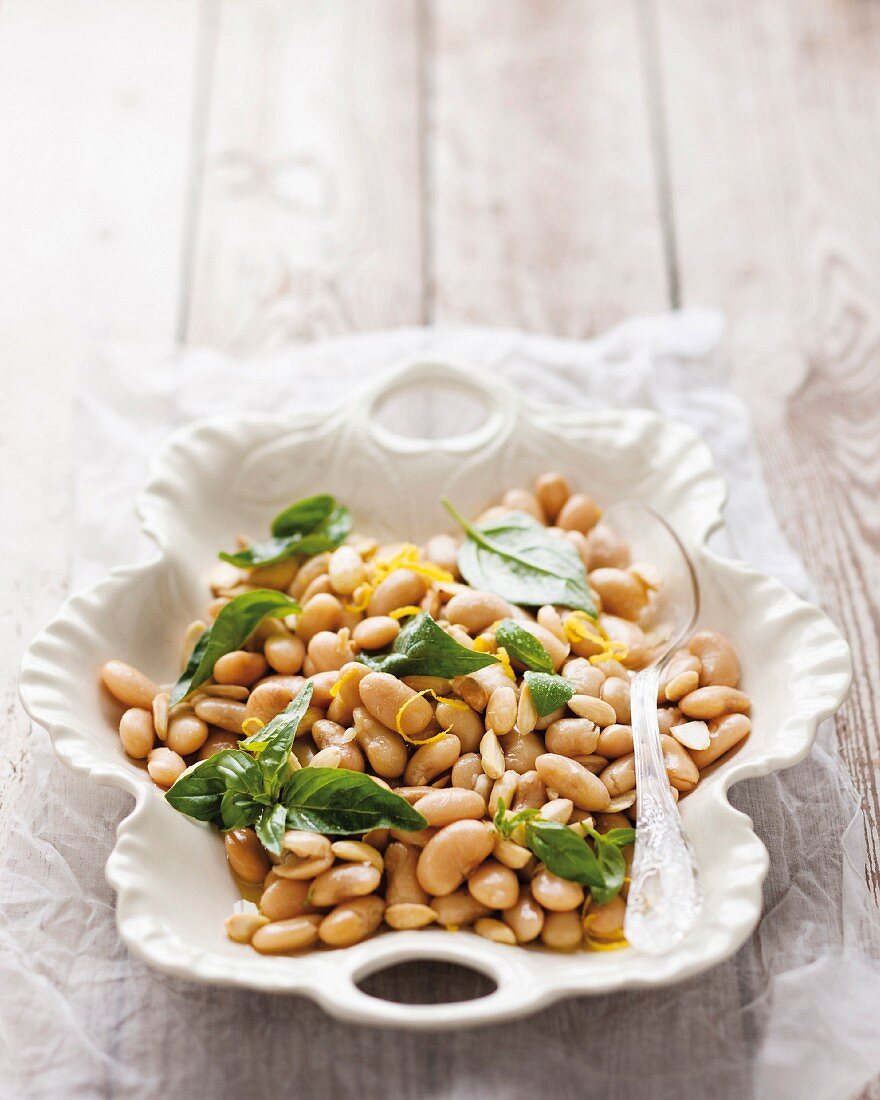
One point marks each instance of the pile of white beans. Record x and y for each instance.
(576, 765)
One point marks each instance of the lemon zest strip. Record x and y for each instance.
(614, 651)
(342, 681)
(576, 630)
(409, 557)
(501, 654)
(613, 945)
(593, 944)
(459, 704)
(399, 715)
(363, 603)
(250, 725)
(403, 612)
(578, 627)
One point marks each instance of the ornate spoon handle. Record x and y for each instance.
(664, 898)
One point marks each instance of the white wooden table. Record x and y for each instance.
(246, 172)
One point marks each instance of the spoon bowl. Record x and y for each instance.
(664, 899)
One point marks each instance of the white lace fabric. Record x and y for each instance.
(793, 1014)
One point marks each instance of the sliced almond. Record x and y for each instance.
(693, 735)
(492, 755)
(331, 757)
(160, 714)
(355, 851)
(622, 802)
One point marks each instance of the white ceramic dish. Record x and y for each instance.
(224, 475)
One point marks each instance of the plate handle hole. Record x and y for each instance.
(426, 982)
(421, 408)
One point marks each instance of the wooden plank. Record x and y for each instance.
(773, 113)
(310, 208)
(544, 208)
(95, 116)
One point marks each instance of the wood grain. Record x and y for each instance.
(94, 159)
(247, 172)
(776, 186)
(310, 206)
(543, 198)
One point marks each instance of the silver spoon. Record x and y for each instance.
(664, 899)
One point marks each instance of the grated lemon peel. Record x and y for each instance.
(614, 944)
(342, 681)
(599, 945)
(363, 601)
(403, 612)
(419, 694)
(250, 725)
(580, 627)
(501, 654)
(614, 651)
(451, 701)
(408, 557)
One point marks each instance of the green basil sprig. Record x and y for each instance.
(515, 557)
(621, 837)
(611, 863)
(522, 646)
(232, 790)
(303, 516)
(505, 822)
(549, 692)
(272, 743)
(270, 827)
(600, 868)
(344, 803)
(423, 649)
(231, 775)
(232, 627)
(308, 527)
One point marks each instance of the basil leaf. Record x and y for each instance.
(326, 534)
(200, 791)
(621, 837)
(613, 867)
(548, 693)
(499, 820)
(276, 739)
(270, 827)
(564, 853)
(505, 825)
(240, 771)
(515, 557)
(339, 802)
(329, 533)
(192, 665)
(232, 627)
(303, 516)
(423, 649)
(238, 810)
(522, 646)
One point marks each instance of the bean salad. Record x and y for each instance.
(425, 736)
